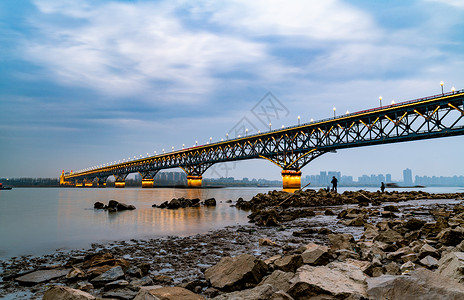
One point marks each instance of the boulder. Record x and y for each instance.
(174, 204)
(66, 293)
(166, 293)
(144, 281)
(123, 294)
(340, 280)
(278, 279)
(451, 265)
(41, 276)
(234, 273)
(341, 241)
(113, 204)
(389, 236)
(262, 292)
(414, 224)
(118, 284)
(316, 255)
(420, 284)
(451, 237)
(98, 205)
(427, 250)
(210, 202)
(289, 263)
(429, 262)
(112, 274)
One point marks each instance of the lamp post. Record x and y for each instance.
(183, 146)
(380, 100)
(246, 131)
(283, 126)
(453, 90)
(298, 120)
(196, 143)
(210, 140)
(393, 102)
(442, 84)
(270, 124)
(227, 136)
(334, 109)
(312, 120)
(172, 148)
(347, 112)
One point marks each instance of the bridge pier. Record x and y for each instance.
(79, 183)
(88, 184)
(101, 184)
(119, 184)
(147, 183)
(291, 179)
(194, 181)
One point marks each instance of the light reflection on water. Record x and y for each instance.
(40, 220)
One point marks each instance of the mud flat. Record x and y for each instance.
(307, 245)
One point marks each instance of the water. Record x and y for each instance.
(36, 221)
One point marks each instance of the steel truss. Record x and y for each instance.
(293, 148)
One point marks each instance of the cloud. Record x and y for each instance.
(134, 50)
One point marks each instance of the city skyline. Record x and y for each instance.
(79, 90)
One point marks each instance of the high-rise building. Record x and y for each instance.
(388, 177)
(407, 176)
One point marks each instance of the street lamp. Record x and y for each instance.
(393, 102)
(442, 84)
(183, 146)
(246, 131)
(172, 148)
(164, 152)
(347, 112)
(155, 152)
(334, 109)
(298, 120)
(380, 100)
(270, 126)
(210, 139)
(453, 90)
(312, 120)
(196, 143)
(283, 126)
(227, 136)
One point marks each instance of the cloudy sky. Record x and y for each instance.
(84, 83)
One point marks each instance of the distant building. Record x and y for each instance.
(407, 176)
(388, 178)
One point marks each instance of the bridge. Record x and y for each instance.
(294, 147)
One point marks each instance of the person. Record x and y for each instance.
(382, 187)
(334, 184)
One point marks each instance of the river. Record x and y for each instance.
(35, 221)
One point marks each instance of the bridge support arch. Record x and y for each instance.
(148, 178)
(120, 180)
(194, 174)
(102, 181)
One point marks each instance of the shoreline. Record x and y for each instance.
(179, 261)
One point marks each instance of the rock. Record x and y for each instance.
(233, 273)
(75, 274)
(111, 275)
(278, 279)
(261, 292)
(265, 217)
(281, 295)
(166, 293)
(85, 286)
(41, 276)
(392, 269)
(399, 253)
(316, 255)
(98, 205)
(329, 212)
(123, 206)
(420, 284)
(358, 221)
(407, 267)
(450, 237)
(144, 281)
(340, 280)
(289, 263)
(134, 271)
(267, 242)
(66, 293)
(162, 279)
(344, 254)
(118, 284)
(389, 236)
(391, 208)
(451, 265)
(210, 202)
(427, 250)
(413, 257)
(113, 204)
(123, 294)
(365, 266)
(341, 241)
(429, 262)
(414, 224)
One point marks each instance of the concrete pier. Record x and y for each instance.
(291, 179)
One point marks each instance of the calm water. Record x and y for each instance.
(40, 220)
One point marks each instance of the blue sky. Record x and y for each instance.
(84, 83)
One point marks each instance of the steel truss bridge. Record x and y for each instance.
(292, 148)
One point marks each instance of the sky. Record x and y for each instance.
(83, 83)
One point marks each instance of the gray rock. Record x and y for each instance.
(427, 250)
(281, 295)
(316, 255)
(420, 284)
(210, 202)
(144, 281)
(166, 293)
(123, 294)
(341, 241)
(278, 279)
(337, 279)
(112, 274)
(66, 293)
(233, 273)
(118, 284)
(262, 292)
(41, 276)
(451, 265)
(429, 262)
(289, 263)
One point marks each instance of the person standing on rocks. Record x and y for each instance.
(382, 187)
(334, 184)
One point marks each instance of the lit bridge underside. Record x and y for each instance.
(293, 148)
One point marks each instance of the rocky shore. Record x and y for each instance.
(307, 245)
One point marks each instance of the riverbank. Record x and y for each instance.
(344, 224)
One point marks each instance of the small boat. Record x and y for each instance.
(4, 187)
